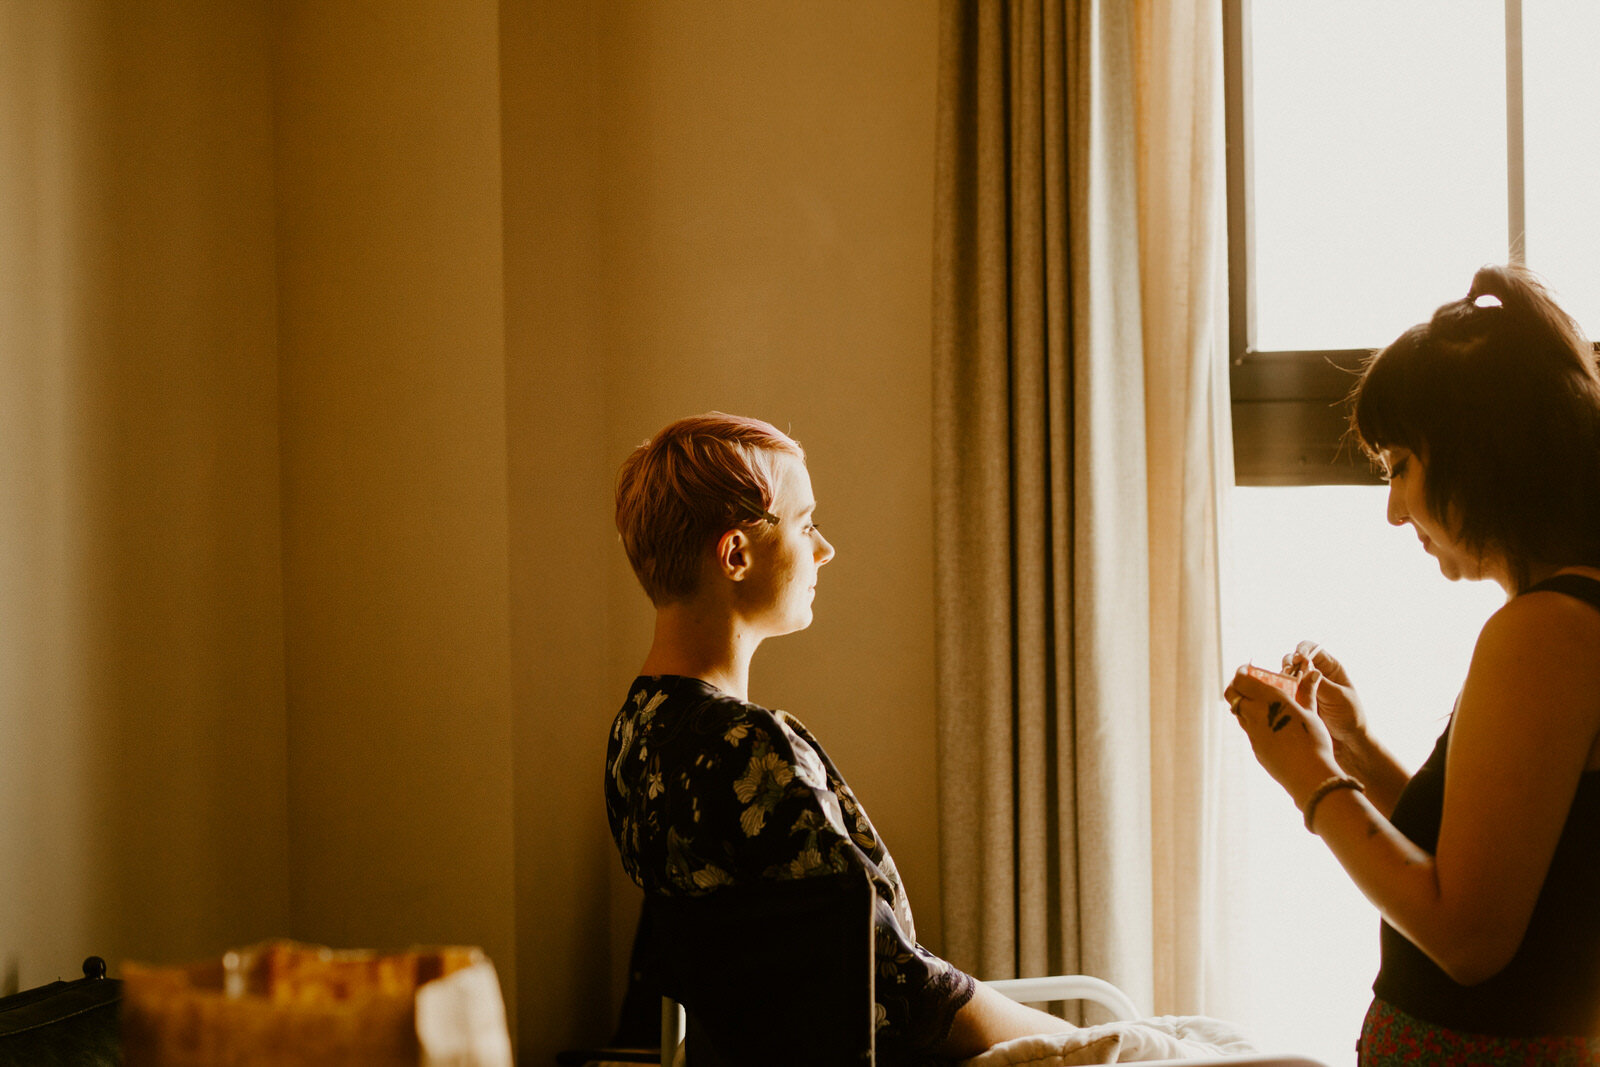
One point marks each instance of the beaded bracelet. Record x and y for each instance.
(1336, 782)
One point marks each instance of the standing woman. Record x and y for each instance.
(1485, 864)
(706, 790)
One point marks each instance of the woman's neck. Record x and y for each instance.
(706, 644)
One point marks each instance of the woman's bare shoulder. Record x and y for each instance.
(1543, 615)
(1542, 650)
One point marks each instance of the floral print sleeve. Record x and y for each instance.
(705, 791)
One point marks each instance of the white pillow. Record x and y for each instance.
(1166, 1037)
(1051, 1050)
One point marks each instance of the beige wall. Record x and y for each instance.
(335, 324)
(394, 474)
(561, 537)
(142, 759)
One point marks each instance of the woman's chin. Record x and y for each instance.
(784, 625)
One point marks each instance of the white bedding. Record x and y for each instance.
(1166, 1037)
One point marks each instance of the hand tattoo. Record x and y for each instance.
(1277, 718)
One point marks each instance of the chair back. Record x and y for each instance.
(779, 973)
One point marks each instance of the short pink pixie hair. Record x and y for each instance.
(684, 488)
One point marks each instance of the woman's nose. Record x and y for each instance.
(824, 549)
(1397, 506)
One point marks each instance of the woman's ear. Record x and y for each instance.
(733, 554)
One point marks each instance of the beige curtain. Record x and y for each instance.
(1082, 452)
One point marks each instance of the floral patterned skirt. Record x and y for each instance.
(1390, 1037)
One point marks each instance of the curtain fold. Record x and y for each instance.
(1080, 453)
(1183, 272)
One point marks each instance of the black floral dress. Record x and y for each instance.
(704, 790)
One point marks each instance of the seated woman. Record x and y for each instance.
(705, 789)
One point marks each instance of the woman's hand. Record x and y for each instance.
(1289, 739)
(1336, 702)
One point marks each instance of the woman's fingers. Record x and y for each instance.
(1304, 658)
(1267, 705)
(1324, 661)
(1306, 692)
(1247, 687)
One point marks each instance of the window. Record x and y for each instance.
(1303, 564)
(1378, 153)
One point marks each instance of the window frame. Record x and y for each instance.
(1289, 416)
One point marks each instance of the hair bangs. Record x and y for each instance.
(1384, 405)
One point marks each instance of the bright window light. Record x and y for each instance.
(1379, 185)
(1321, 563)
(1379, 134)
(1561, 85)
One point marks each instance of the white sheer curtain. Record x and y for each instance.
(1082, 455)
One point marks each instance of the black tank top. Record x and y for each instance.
(1552, 984)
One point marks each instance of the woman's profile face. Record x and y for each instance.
(1408, 504)
(786, 556)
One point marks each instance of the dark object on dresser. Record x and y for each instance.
(63, 1024)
